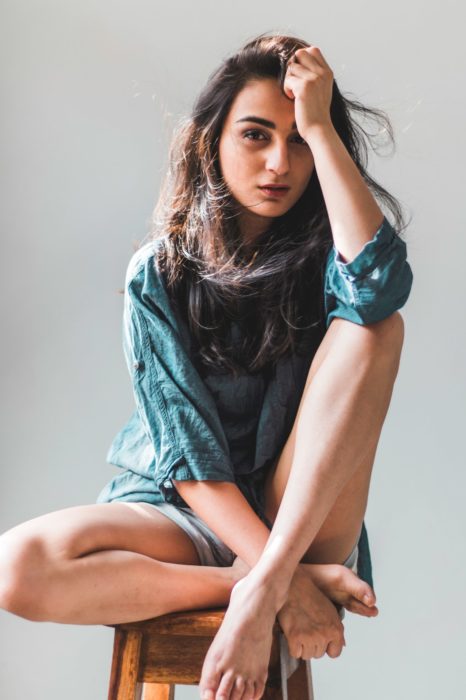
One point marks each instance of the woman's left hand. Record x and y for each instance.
(309, 81)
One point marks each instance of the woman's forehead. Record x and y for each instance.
(263, 98)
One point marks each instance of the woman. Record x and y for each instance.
(263, 339)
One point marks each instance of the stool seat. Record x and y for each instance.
(151, 656)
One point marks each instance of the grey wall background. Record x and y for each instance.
(90, 91)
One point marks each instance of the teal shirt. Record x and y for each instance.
(190, 424)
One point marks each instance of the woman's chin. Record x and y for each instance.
(269, 210)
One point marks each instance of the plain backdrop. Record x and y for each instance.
(90, 93)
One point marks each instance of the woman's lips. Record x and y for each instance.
(275, 192)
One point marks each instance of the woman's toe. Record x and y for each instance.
(359, 589)
(226, 686)
(209, 683)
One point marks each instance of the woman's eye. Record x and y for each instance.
(254, 132)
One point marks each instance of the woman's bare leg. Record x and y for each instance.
(341, 528)
(324, 471)
(323, 475)
(103, 564)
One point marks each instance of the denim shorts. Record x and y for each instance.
(211, 550)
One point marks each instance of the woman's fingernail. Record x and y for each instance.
(367, 599)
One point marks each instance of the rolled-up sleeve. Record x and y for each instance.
(176, 409)
(372, 286)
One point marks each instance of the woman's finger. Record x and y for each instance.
(300, 70)
(310, 60)
(318, 55)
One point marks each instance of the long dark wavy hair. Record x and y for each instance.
(271, 290)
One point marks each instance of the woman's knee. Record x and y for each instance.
(381, 341)
(389, 330)
(30, 554)
(387, 338)
(24, 568)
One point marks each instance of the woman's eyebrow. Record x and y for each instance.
(263, 122)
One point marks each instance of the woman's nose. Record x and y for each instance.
(278, 159)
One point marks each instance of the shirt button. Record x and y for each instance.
(168, 484)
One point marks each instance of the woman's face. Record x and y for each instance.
(252, 155)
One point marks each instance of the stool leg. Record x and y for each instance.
(300, 682)
(125, 666)
(158, 691)
(296, 678)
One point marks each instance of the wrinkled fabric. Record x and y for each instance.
(191, 427)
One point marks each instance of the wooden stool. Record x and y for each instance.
(151, 656)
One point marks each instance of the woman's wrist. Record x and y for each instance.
(321, 130)
(284, 582)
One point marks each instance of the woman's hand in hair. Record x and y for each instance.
(309, 81)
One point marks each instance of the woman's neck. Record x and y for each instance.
(252, 226)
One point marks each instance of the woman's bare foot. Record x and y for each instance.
(309, 620)
(304, 617)
(236, 664)
(344, 587)
(339, 583)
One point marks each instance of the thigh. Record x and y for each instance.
(79, 530)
